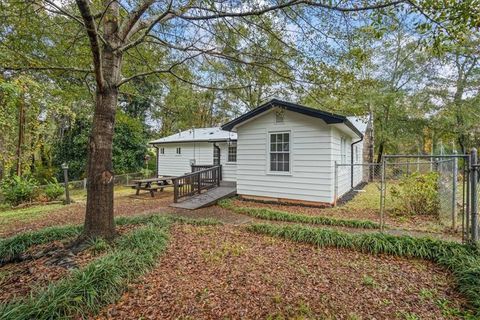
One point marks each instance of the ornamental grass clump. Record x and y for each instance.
(417, 194)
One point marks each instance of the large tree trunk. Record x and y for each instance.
(99, 220)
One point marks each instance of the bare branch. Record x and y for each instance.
(134, 17)
(224, 14)
(92, 33)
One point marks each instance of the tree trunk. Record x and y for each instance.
(99, 220)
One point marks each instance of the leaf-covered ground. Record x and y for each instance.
(225, 272)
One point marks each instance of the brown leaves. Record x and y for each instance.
(224, 272)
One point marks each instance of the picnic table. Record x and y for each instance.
(152, 184)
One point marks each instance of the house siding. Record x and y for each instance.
(229, 169)
(172, 164)
(310, 176)
(343, 183)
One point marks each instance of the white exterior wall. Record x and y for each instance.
(311, 172)
(229, 169)
(173, 164)
(344, 169)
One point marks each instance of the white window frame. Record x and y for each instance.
(269, 153)
(178, 151)
(162, 150)
(230, 145)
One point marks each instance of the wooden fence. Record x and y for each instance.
(193, 183)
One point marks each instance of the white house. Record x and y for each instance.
(279, 151)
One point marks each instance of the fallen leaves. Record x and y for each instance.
(252, 276)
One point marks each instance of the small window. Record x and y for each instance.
(162, 150)
(179, 150)
(343, 150)
(232, 152)
(280, 152)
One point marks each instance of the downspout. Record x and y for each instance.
(351, 160)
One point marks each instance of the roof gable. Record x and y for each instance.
(328, 117)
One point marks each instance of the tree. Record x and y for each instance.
(119, 34)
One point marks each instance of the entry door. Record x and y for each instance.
(216, 155)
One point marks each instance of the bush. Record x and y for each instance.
(417, 194)
(53, 190)
(18, 190)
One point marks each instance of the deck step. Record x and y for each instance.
(207, 198)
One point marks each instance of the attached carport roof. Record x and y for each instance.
(328, 117)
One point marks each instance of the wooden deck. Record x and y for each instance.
(207, 198)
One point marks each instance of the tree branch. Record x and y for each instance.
(223, 14)
(92, 33)
(51, 68)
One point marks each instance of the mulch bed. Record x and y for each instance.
(225, 272)
(75, 213)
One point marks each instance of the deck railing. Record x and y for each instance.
(193, 183)
(198, 167)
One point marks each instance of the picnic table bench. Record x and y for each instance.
(152, 184)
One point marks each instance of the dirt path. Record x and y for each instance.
(225, 272)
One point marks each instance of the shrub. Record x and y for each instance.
(17, 189)
(417, 194)
(53, 190)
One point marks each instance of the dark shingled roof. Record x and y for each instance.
(328, 117)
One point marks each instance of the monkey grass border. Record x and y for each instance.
(462, 260)
(275, 215)
(86, 291)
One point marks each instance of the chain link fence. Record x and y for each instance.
(425, 193)
(118, 180)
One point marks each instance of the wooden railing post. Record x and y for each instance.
(199, 182)
(175, 190)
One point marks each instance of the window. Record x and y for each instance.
(232, 152)
(179, 150)
(343, 150)
(162, 150)
(280, 152)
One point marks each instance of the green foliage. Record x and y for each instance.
(17, 189)
(129, 147)
(102, 282)
(463, 261)
(417, 194)
(268, 214)
(53, 190)
(18, 244)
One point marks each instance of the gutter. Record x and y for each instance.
(351, 159)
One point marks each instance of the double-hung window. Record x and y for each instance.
(162, 150)
(179, 150)
(232, 152)
(280, 152)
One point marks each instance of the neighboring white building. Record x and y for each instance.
(201, 146)
(279, 151)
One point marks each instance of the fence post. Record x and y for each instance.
(473, 196)
(382, 195)
(199, 183)
(454, 193)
